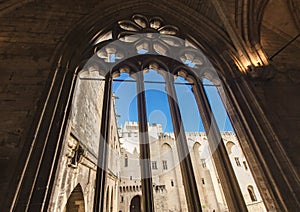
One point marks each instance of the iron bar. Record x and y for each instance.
(232, 192)
(187, 171)
(103, 147)
(146, 173)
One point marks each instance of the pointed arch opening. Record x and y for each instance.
(110, 55)
(155, 71)
(251, 193)
(135, 204)
(75, 202)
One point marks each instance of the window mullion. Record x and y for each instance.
(188, 177)
(146, 174)
(103, 146)
(232, 192)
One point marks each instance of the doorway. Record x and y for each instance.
(135, 204)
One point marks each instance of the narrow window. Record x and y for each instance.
(126, 161)
(251, 193)
(245, 165)
(154, 165)
(203, 163)
(203, 181)
(165, 164)
(237, 161)
(122, 199)
(172, 183)
(130, 177)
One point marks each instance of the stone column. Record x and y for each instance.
(145, 161)
(232, 192)
(187, 172)
(103, 146)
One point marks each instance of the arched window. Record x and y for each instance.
(107, 200)
(139, 48)
(251, 193)
(112, 200)
(75, 202)
(135, 204)
(229, 146)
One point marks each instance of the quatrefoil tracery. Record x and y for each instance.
(142, 24)
(146, 36)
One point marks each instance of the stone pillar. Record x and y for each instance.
(260, 129)
(145, 161)
(36, 183)
(187, 172)
(103, 147)
(232, 192)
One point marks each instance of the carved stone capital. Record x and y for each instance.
(261, 73)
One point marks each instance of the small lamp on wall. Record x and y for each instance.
(261, 72)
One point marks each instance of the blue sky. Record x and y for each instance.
(157, 104)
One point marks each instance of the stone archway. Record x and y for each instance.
(65, 82)
(107, 200)
(75, 202)
(135, 204)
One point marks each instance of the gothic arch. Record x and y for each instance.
(251, 193)
(196, 151)
(112, 200)
(229, 146)
(75, 201)
(135, 204)
(248, 19)
(95, 24)
(166, 146)
(196, 146)
(166, 153)
(68, 57)
(107, 200)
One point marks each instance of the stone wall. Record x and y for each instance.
(87, 110)
(30, 34)
(78, 163)
(167, 181)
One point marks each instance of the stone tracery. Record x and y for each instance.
(135, 47)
